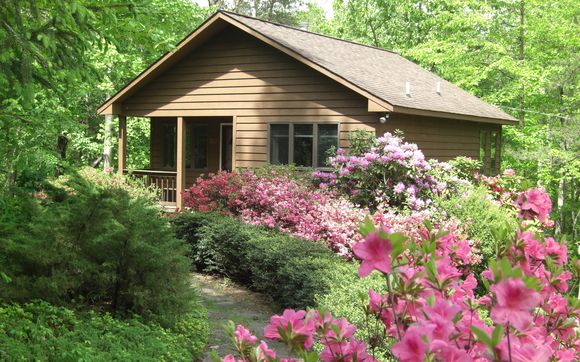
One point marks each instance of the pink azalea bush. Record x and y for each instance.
(277, 201)
(431, 312)
(392, 172)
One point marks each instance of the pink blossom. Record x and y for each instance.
(534, 203)
(243, 336)
(265, 352)
(412, 348)
(375, 253)
(514, 303)
(509, 172)
(293, 324)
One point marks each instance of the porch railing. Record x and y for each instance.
(165, 181)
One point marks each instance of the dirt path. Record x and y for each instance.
(227, 301)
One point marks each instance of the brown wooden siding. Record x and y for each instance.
(440, 139)
(236, 75)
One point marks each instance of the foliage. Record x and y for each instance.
(430, 312)
(290, 270)
(519, 55)
(39, 331)
(88, 243)
(60, 60)
(479, 215)
(390, 173)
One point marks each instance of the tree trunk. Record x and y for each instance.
(522, 57)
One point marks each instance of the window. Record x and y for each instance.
(305, 145)
(169, 145)
(199, 147)
(490, 151)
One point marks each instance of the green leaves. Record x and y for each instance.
(491, 342)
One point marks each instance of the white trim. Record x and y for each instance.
(221, 143)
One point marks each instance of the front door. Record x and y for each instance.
(226, 144)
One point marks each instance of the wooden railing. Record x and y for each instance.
(165, 181)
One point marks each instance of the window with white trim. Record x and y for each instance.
(303, 144)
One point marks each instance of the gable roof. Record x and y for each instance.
(379, 75)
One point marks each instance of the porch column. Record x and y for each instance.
(122, 153)
(180, 177)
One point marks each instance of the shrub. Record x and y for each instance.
(279, 202)
(39, 331)
(91, 244)
(429, 310)
(391, 173)
(480, 215)
(291, 270)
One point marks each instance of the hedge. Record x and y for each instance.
(296, 273)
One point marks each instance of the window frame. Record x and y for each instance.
(291, 141)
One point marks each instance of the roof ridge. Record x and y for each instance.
(310, 32)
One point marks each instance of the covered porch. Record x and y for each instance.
(181, 149)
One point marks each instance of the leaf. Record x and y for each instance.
(496, 335)
(482, 336)
(367, 227)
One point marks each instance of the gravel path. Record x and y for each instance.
(226, 301)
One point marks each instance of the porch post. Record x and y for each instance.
(180, 177)
(122, 153)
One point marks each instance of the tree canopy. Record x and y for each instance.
(60, 59)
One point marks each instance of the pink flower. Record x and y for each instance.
(514, 302)
(509, 172)
(296, 330)
(534, 203)
(243, 336)
(400, 187)
(375, 253)
(412, 348)
(265, 352)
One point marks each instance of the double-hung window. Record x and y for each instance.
(303, 144)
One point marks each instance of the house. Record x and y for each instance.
(240, 92)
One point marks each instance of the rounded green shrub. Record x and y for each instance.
(94, 244)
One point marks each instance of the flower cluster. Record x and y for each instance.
(299, 330)
(276, 201)
(535, 204)
(391, 173)
(433, 308)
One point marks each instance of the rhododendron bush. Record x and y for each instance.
(391, 173)
(430, 311)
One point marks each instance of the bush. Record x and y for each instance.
(89, 243)
(39, 331)
(391, 173)
(480, 216)
(291, 270)
(271, 198)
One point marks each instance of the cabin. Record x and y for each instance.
(240, 92)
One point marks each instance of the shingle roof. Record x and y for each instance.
(381, 73)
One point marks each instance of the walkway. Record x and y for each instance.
(227, 301)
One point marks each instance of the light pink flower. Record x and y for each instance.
(375, 253)
(514, 303)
